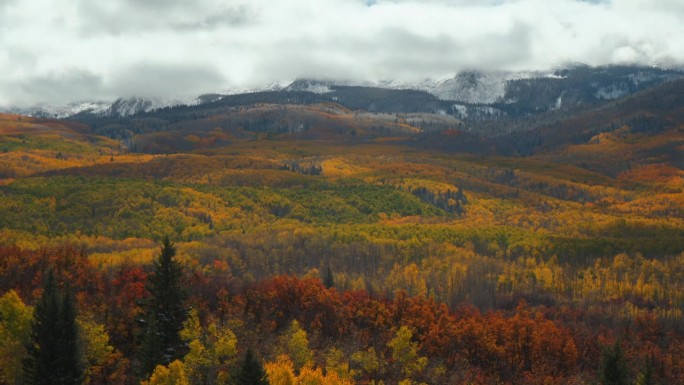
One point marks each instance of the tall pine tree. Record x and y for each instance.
(165, 312)
(613, 367)
(53, 354)
(251, 371)
(328, 278)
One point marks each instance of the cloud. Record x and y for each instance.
(132, 17)
(61, 50)
(68, 84)
(163, 80)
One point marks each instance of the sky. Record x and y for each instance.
(61, 51)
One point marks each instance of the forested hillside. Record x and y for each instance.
(327, 244)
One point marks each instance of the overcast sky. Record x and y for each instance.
(59, 51)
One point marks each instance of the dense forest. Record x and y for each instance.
(310, 243)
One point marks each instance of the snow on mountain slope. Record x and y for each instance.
(520, 92)
(325, 86)
(471, 87)
(121, 107)
(467, 87)
(315, 86)
(59, 112)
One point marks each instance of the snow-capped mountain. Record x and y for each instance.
(268, 87)
(529, 90)
(318, 86)
(309, 85)
(470, 94)
(471, 87)
(476, 87)
(59, 112)
(466, 87)
(121, 107)
(133, 105)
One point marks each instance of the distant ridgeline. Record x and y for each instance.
(468, 96)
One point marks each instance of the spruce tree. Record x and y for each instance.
(329, 279)
(613, 366)
(53, 354)
(151, 348)
(251, 371)
(165, 312)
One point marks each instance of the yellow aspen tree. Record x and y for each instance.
(405, 352)
(280, 372)
(15, 327)
(174, 374)
(297, 346)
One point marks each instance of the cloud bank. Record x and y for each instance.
(59, 51)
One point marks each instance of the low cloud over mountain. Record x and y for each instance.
(62, 51)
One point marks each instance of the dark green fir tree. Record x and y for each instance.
(165, 312)
(613, 367)
(251, 371)
(329, 279)
(53, 354)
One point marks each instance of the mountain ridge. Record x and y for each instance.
(467, 95)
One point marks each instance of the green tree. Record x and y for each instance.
(613, 366)
(151, 345)
(329, 279)
(165, 312)
(251, 371)
(53, 353)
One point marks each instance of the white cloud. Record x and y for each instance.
(64, 50)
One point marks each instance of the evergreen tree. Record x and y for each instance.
(613, 366)
(165, 312)
(151, 349)
(251, 371)
(329, 279)
(460, 196)
(459, 210)
(53, 354)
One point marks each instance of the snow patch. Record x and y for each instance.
(559, 103)
(468, 87)
(461, 110)
(487, 111)
(318, 88)
(612, 91)
(641, 77)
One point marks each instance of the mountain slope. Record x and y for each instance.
(516, 93)
(31, 145)
(641, 129)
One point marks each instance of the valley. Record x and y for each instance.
(512, 249)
